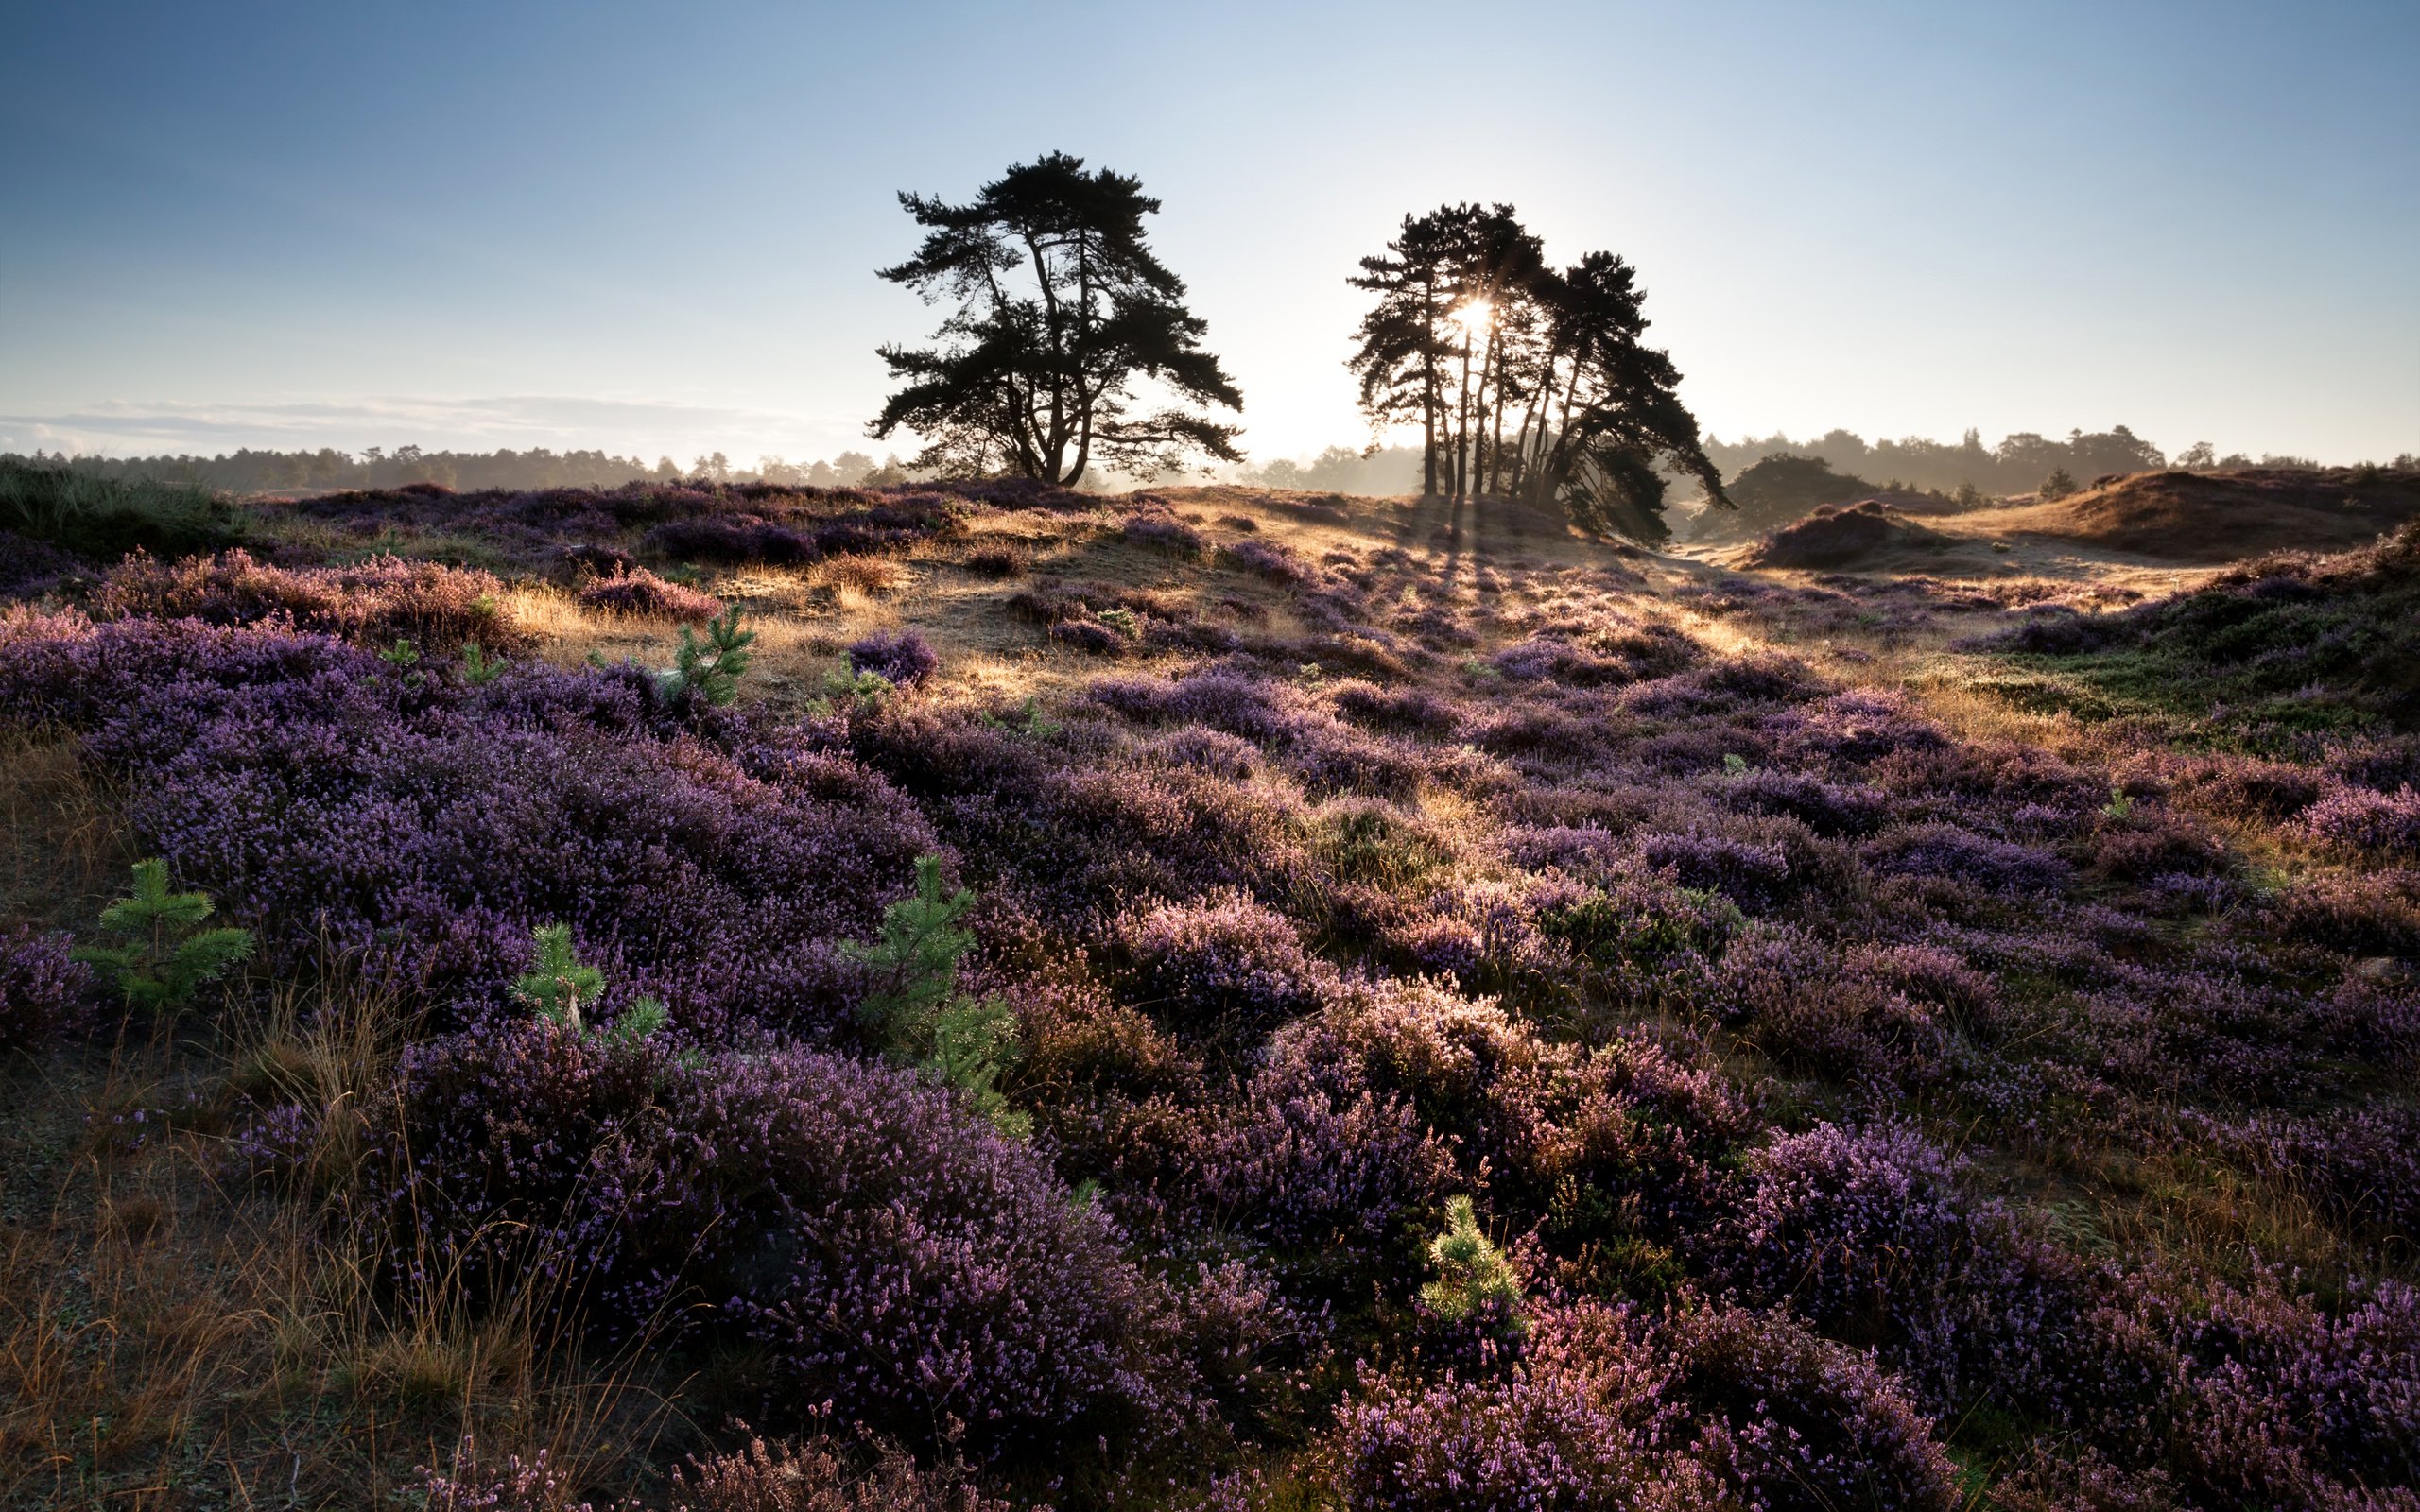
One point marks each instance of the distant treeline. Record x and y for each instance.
(253, 472)
(1342, 469)
(2020, 464)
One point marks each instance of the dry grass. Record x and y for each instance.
(65, 848)
(173, 1335)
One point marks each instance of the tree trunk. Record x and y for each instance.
(1429, 398)
(1496, 355)
(1463, 428)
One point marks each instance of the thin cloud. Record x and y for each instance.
(519, 422)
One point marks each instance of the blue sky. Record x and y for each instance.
(652, 228)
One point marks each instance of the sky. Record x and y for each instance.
(653, 228)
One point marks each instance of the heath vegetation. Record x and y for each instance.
(969, 994)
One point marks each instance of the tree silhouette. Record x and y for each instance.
(1473, 332)
(1060, 310)
(1404, 346)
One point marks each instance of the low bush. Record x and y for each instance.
(44, 990)
(637, 591)
(900, 657)
(375, 603)
(882, 1244)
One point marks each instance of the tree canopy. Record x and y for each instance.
(1063, 323)
(1526, 379)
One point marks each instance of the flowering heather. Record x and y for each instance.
(373, 602)
(741, 537)
(435, 826)
(1870, 1239)
(1752, 875)
(1272, 559)
(1225, 961)
(43, 992)
(900, 657)
(2386, 823)
(1782, 1419)
(1945, 851)
(636, 591)
(776, 1192)
(1473, 890)
(1164, 531)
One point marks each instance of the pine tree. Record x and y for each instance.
(1062, 308)
(168, 955)
(1472, 1275)
(915, 1008)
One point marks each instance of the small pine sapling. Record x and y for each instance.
(478, 668)
(1028, 720)
(915, 1007)
(168, 956)
(1473, 1279)
(404, 657)
(860, 693)
(710, 668)
(559, 982)
(556, 983)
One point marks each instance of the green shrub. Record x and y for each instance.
(558, 983)
(711, 668)
(168, 956)
(1473, 1279)
(916, 1009)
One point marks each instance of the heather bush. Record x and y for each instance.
(427, 832)
(1574, 1426)
(2360, 819)
(1273, 560)
(1827, 808)
(1224, 964)
(1163, 531)
(1869, 1015)
(1781, 1419)
(1945, 850)
(900, 657)
(1869, 1239)
(637, 591)
(2357, 912)
(883, 1245)
(732, 537)
(1756, 876)
(373, 602)
(43, 989)
(2290, 1405)
(30, 566)
(1699, 1408)
(1607, 1153)
(1208, 750)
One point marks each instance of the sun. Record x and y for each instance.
(1473, 316)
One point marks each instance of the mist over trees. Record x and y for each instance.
(1387, 470)
(1061, 311)
(1526, 380)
